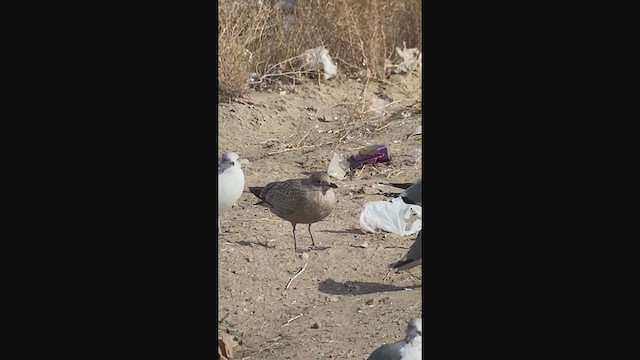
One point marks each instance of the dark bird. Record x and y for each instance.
(299, 201)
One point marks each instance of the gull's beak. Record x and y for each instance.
(333, 185)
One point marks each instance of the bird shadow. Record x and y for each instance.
(333, 287)
(347, 231)
(255, 243)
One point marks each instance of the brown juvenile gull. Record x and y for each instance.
(409, 348)
(299, 201)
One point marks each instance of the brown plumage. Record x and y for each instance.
(299, 201)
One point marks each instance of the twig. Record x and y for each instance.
(285, 74)
(343, 103)
(355, 148)
(378, 171)
(292, 149)
(289, 60)
(385, 277)
(391, 173)
(389, 104)
(413, 277)
(414, 305)
(224, 317)
(349, 354)
(361, 98)
(390, 83)
(295, 276)
(382, 127)
(344, 136)
(304, 137)
(374, 254)
(397, 122)
(290, 320)
(268, 347)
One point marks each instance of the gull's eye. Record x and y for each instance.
(233, 163)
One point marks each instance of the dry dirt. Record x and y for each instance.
(341, 306)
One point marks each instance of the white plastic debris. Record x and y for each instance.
(391, 217)
(411, 60)
(338, 167)
(416, 155)
(318, 59)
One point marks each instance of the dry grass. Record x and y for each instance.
(359, 34)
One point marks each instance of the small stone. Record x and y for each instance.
(316, 325)
(304, 256)
(249, 259)
(369, 302)
(334, 299)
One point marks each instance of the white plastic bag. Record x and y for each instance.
(391, 217)
(319, 59)
(411, 60)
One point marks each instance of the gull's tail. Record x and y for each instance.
(257, 191)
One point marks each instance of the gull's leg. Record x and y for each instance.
(313, 244)
(219, 228)
(295, 244)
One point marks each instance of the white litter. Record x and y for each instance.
(391, 216)
(338, 167)
(318, 59)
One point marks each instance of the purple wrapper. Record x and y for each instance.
(370, 155)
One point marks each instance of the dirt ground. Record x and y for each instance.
(341, 306)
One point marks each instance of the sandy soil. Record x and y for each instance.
(342, 305)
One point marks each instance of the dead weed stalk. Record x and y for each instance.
(359, 34)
